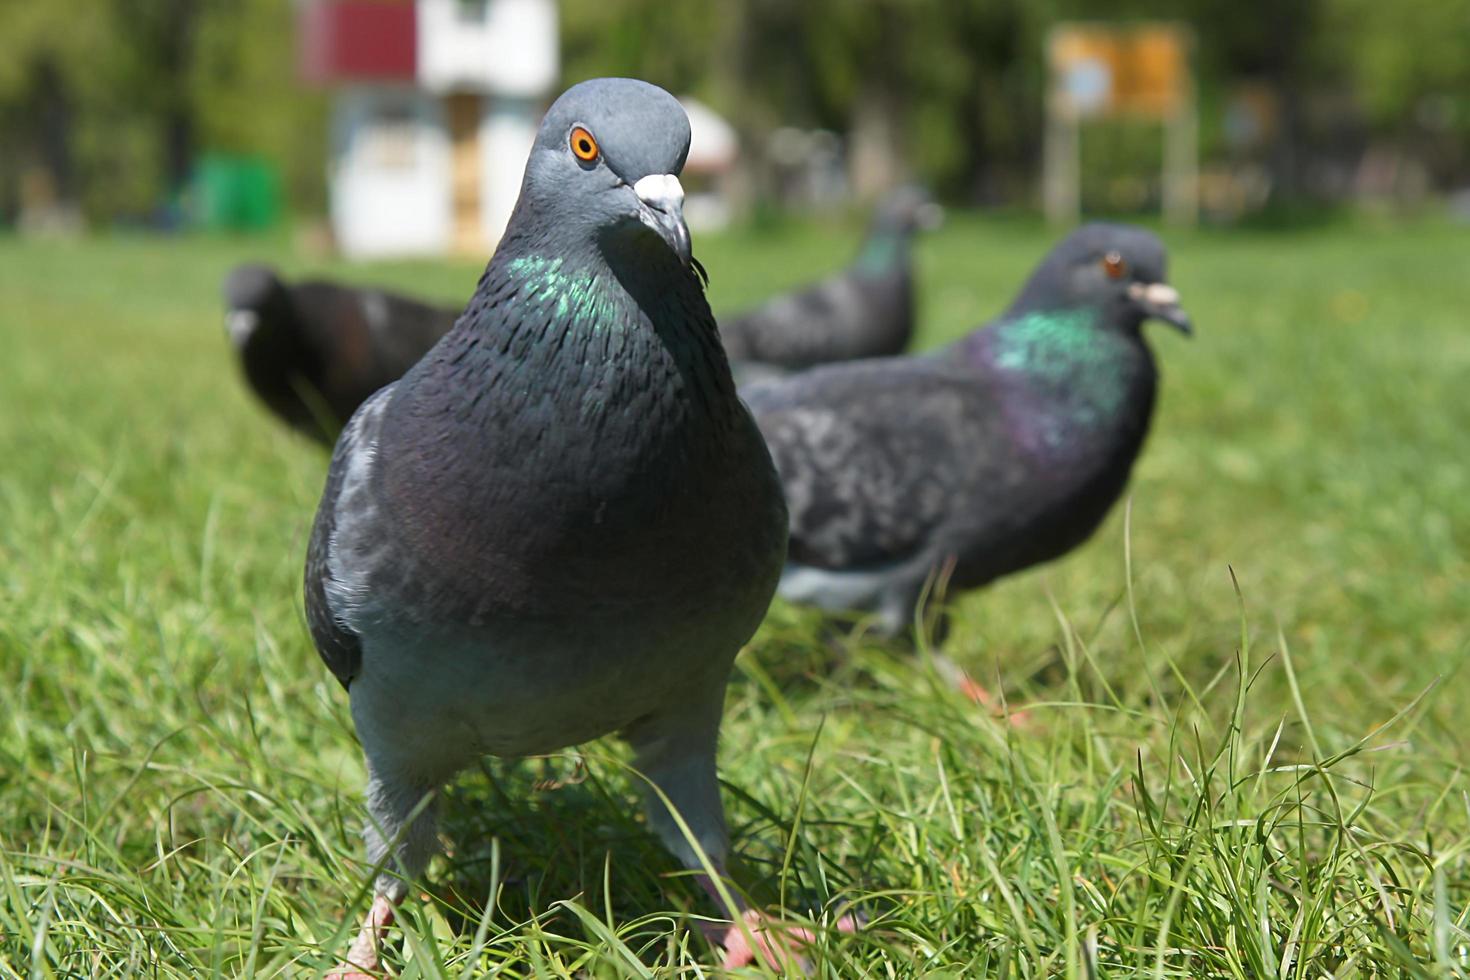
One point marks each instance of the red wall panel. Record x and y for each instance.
(357, 40)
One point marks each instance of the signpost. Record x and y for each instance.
(1099, 71)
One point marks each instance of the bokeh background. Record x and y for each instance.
(111, 111)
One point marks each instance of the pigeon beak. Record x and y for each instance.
(662, 200)
(240, 324)
(1161, 301)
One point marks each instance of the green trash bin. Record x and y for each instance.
(236, 193)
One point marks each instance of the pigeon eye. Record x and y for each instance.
(584, 144)
(1113, 266)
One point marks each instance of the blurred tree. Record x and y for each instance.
(981, 122)
(1411, 75)
(109, 102)
(249, 99)
(158, 43)
(43, 82)
(952, 89)
(1281, 43)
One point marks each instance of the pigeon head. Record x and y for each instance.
(1118, 269)
(605, 167)
(253, 296)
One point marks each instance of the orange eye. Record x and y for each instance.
(584, 144)
(1114, 266)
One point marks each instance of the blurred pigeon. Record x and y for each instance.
(315, 351)
(867, 310)
(999, 452)
(561, 522)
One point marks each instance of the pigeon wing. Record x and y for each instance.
(340, 648)
(875, 457)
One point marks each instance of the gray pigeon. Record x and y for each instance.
(561, 523)
(1001, 451)
(867, 310)
(316, 350)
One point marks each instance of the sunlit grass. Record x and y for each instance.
(1245, 738)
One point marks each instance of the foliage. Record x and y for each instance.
(1209, 782)
(955, 86)
(964, 81)
(141, 85)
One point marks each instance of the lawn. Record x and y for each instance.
(1246, 724)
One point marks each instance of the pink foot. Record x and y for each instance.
(775, 945)
(976, 692)
(979, 695)
(361, 961)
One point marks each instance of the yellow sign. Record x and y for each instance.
(1107, 69)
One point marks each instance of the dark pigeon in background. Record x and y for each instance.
(867, 310)
(316, 350)
(561, 523)
(998, 452)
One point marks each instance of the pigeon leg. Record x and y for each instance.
(923, 601)
(908, 601)
(975, 692)
(676, 753)
(401, 838)
(401, 835)
(361, 961)
(959, 678)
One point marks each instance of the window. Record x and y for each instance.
(471, 13)
(390, 139)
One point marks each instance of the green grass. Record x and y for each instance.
(1212, 782)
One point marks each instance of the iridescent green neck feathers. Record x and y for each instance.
(1070, 355)
(580, 296)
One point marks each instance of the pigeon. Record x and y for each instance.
(560, 523)
(1001, 451)
(315, 351)
(867, 310)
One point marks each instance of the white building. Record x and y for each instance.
(435, 108)
(709, 170)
